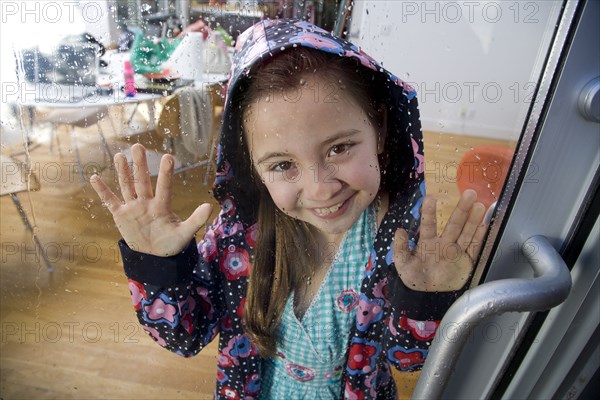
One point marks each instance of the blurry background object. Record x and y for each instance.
(484, 169)
(187, 60)
(148, 54)
(16, 178)
(75, 60)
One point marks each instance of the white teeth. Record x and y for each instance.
(327, 211)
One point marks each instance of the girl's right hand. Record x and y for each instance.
(145, 220)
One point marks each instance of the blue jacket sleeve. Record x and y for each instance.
(178, 299)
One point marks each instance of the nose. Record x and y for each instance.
(321, 183)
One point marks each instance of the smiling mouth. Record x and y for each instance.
(329, 210)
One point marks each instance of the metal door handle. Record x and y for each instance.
(550, 287)
(589, 100)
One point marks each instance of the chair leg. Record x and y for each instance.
(104, 143)
(213, 146)
(112, 124)
(25, 220)
(54, 136)
(132, 114)
(74, 143)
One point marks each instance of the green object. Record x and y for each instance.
(227, 38)
(147, 54)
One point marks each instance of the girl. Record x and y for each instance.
(311, 275)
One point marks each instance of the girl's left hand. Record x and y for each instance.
(442, 263)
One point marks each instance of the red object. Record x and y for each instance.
(484, 169)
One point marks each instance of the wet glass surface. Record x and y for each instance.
(68, 329)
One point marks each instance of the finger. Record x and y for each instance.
(428, 218)
(402, 253)
(459, 216)
(477, 243)
(164, 183)
(141, 174)
(198, 218)
(106, 195)
(473, 222)
(125, 177)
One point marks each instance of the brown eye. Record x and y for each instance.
(339, 149)
(282, 166)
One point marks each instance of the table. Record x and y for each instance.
(78, 108)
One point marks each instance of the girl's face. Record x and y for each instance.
(316, 154)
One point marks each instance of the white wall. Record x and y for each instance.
(99, 17)
(474, 63)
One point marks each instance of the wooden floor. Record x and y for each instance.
(72, 333)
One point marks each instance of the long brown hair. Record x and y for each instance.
(285, 249)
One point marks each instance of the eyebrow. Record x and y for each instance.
(339, 135)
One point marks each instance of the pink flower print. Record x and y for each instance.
(300, 373)
(226, 323)
(371, 384)
(225, 228)
(251, 235)
(347, 300)
(392, 326)
(316, 41)
(221, 375)
(369, 312)
(370, 266)
(419, 158)
(380, 290)
(422, 330)
(228, 205)
(255, 51)
(364, 59)
(187, 323)
(362, 356)
(308, 26)
(403, 84)
(229, 393)
(240, 309)
(224, 360)
(407, 359)
(205, 305)
(208, 246)
(238, 346)
(187, 306)
(185, 309)
(242, 39)
(161, 310)
(351, 394)
(138, 293)
(235, 263)
(224, 175)
(155, 335)
(252, 385)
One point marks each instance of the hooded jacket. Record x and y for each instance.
(187, 300)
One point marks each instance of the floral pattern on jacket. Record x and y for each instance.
(185, 301)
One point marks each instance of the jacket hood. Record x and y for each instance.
(402, 173)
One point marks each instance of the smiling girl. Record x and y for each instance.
(324, 267)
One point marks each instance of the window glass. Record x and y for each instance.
(68, 329)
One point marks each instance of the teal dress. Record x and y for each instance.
(311, 352)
